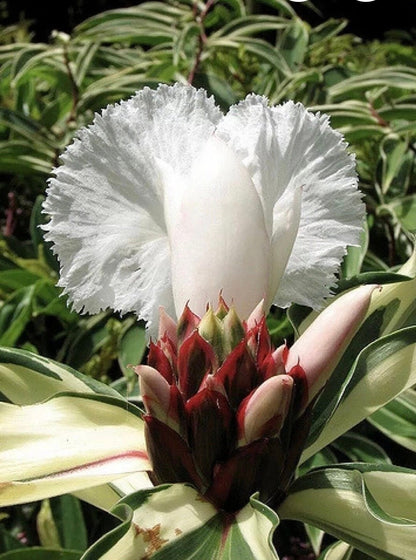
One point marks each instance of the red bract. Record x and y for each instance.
(222, 414)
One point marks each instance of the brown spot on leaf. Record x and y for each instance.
(151, 537)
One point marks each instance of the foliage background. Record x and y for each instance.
(333, 56)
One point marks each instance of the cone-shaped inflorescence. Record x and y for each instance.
(222, 412)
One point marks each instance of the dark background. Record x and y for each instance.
(369, 20)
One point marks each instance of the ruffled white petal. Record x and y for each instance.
(286, 148)
(162, 200)
(106, 201)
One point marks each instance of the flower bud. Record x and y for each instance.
(211, 329)
(161, 400)
(233, 330)
(195, 360)
(263, 412)
(188, 322)
(319, 349)
(155, 391)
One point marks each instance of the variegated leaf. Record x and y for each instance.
(383, 370)
(371, 507)
(397, 419)
(67, 443)
(26, 378)
(174, 521)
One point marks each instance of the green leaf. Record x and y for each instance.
(371, 507)
(24, 158)
(15, 314)
(396, 302)
(353, 260)
(15, 278)
(92, 334)
(293, 43)
(39, 553)
(43, 249)
(404, 210)
(67, 443)
(132, 347)
(397, 419)
(146, 24)
(343, 551)
(174, 521)
(69, 521)
(395, 77)
(357, 447)
(250, 25)
(397, 165)
(28, 128)
(321, 458)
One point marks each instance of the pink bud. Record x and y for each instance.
(155, 391)
(161, 400)
(319, 349)
(162, 359)
(263, 412)
(167, 326)
(273, 364)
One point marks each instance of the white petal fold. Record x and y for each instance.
(217, 234)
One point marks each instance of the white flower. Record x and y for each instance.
(164, 200)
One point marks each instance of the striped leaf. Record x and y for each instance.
(383, 370)
(65, 444)
(26, 378)
(397, 419)
(174, 521)
(371, 507)
(343, 551)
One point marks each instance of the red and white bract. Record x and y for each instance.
(221, 412)
(227, 412)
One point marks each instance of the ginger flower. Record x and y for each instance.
(164, 201)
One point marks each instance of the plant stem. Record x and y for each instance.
(199, 18)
